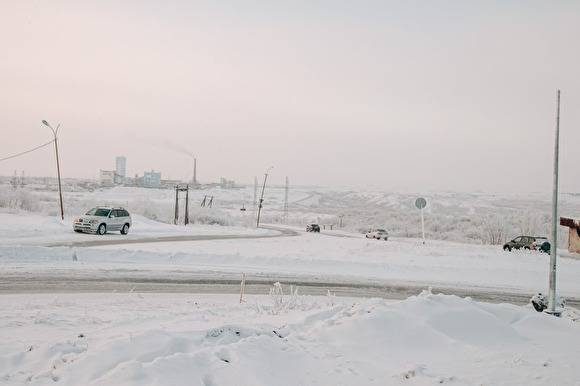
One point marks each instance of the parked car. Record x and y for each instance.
(535, 243)
(379, 234)
(313, 228)
(101, 220)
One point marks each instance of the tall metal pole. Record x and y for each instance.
(423, 225)
(55, 132)
(554, 246)
(286, 188)
(262, 197)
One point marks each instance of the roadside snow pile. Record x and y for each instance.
(428, 339)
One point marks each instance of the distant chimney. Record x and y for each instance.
(194, 181)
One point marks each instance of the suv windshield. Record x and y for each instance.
(98, 212)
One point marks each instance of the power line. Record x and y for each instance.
(27, 151)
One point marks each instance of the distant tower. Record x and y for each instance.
(121, 167)
(194, 180)
(286, 188)
(255, 192)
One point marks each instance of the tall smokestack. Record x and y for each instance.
(194, 182)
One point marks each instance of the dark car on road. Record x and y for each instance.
(313, 228)
(534, 243)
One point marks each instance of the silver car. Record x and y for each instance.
(101, 219)
(379, 234)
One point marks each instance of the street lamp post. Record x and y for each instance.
(55, 132)
(552, 298)
(262, 196)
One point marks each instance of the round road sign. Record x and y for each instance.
(420, 203)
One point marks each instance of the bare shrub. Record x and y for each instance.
(494, 230)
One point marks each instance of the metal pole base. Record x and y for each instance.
(556, 313)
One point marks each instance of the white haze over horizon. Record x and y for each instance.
(414, 95)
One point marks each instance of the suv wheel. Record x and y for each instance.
(102, 229)
(507, 248)
(125, 229)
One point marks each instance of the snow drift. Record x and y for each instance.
(424, 340)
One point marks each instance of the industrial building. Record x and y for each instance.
(107, 177)
(150, 179)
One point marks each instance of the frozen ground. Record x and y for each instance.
(327, 257)
(34, 229)
(477, 217)
(147, 339)
(178, 339)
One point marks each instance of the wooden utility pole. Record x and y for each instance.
(262, 196)
(176, 216)
(186, 204)
(55, 132)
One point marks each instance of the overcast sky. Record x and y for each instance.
(405, 95)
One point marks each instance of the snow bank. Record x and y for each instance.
(174, 340)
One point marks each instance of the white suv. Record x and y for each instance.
(99, 220)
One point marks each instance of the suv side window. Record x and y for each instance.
(125, 213)
(115, 213)
(518, 239)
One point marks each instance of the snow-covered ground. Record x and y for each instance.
(149, 339)
(34, 229)
(193, 339)
(463, 217)
(324, 256)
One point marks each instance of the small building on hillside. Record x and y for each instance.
(574, 233)
(107, 177)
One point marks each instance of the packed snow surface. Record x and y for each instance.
(147, 339)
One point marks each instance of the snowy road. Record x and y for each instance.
(224, 283)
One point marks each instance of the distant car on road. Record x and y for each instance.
(379, 234)
(101, 220)
(534, 243)
(313, 228)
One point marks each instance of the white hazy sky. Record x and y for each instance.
(405, 95)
